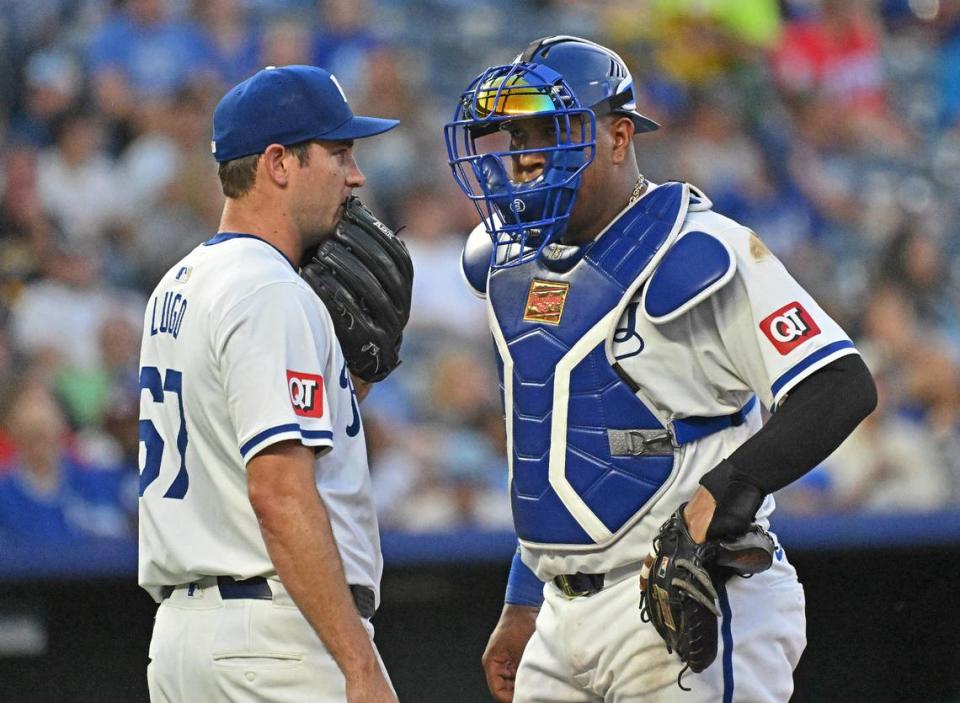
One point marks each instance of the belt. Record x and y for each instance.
(257, 588)
(578, 584)
(690, 429)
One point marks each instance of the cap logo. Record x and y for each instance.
(337, 83)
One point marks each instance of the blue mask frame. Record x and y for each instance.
(521, 218)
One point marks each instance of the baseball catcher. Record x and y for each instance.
(679, 582)
(639, 335)
(364, 276)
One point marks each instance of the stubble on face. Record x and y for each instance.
(315, 227)
(322, 201)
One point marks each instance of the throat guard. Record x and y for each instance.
(586, 455)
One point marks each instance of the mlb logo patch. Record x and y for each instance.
(306, 393)
(789, 327)
(183, 274)
(545, 301)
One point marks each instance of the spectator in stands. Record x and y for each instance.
(86, 392)
(921, 372)
(286, 41)
(48, 496)
(824, 163)
(948, 68)
(716, 153)
(148, 164)
(916, 261)
(79, 185)
(52, 80)
(188, 209)
(891, 463)
(389, 86)
(115, 444)
(449, 469)
(167, 174)
(697, 42)
(442, 304)
(234, 37)
(342, 40)
(433, 478)
(143, 53)
(25, 231)
(836, 56)
(57, 319)
(781, 218)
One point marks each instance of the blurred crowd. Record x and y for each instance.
(831, 127)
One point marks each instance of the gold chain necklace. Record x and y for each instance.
(638, 189)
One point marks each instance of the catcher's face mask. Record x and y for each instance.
(518, 144)
(564, 79)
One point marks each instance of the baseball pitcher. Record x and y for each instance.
(258, 536)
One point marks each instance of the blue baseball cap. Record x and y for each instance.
(286, 105)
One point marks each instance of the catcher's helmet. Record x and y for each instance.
(567, 79)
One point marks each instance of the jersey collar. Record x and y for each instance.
(224, 236)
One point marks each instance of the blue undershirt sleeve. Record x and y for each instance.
(523, 586)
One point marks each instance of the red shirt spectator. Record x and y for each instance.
(837, 55)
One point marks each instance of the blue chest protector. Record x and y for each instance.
(569, 413)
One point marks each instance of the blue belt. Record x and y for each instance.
(690, 429)
(257, 588)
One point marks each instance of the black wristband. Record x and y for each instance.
(738, 500)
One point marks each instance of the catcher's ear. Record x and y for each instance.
(275, 164)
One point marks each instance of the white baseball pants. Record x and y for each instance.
(596, 649)
(209, 650)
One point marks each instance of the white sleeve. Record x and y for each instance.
(272, 348)
(775, 332)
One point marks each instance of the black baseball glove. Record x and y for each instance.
(364, 276)
(679, 585)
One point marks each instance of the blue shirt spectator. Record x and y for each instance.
(240, 61)
(235, 37)
(343, 40)
(48, 495)
(155, 55)
(949, 73)
(83, 503)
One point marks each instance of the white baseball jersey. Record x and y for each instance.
(238, 353)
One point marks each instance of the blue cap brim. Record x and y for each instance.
(358, 127)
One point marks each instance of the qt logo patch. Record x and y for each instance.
(306, 393)
(789, 327)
